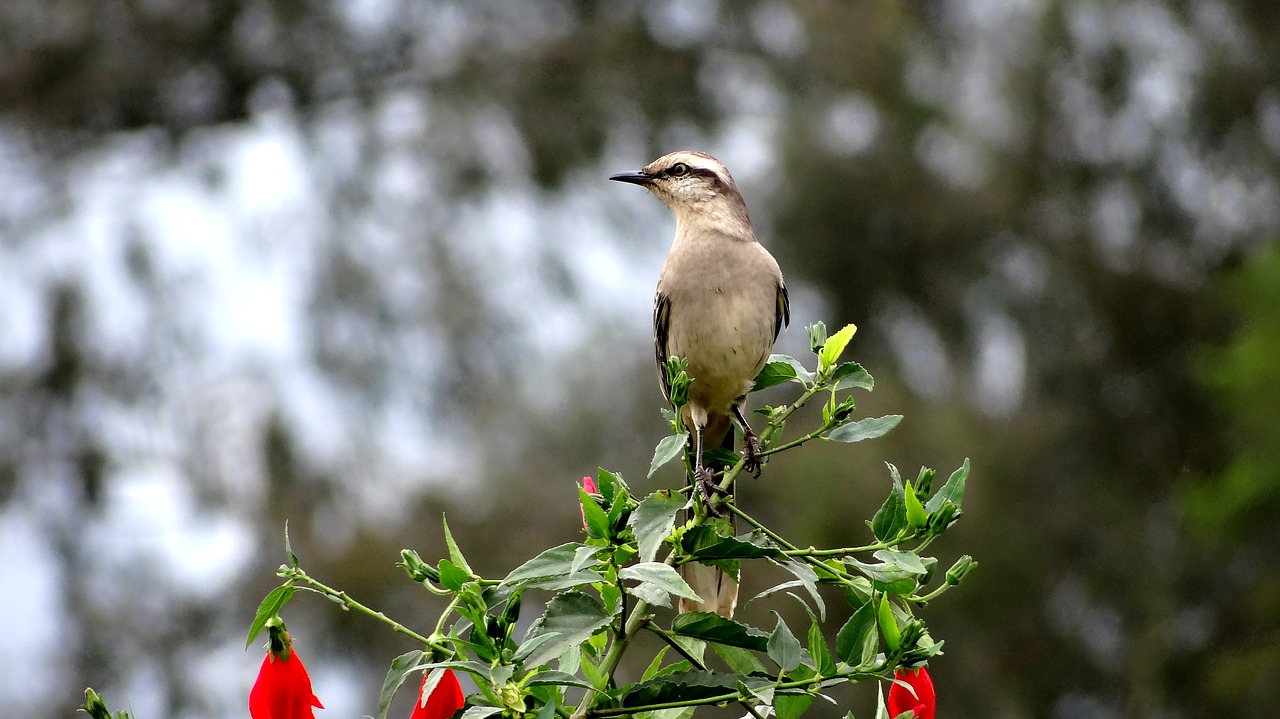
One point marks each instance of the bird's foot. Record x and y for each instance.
(752, 453)
(707, 488)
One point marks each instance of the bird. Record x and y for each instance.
(721, 303)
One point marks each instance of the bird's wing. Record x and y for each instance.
(782, 316)
(661, 326)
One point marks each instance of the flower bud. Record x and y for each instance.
(960, 570)
(417, 569)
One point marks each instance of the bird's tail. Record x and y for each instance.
(719, 590)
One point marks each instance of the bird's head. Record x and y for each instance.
(690, 182)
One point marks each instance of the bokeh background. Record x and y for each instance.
(355, 263)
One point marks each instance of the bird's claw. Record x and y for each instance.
(753, 454)
(707, 488)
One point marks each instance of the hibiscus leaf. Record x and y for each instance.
(668, 449)
(783, 647)
(401, 667)
(268, 608)
(714, 628)
(455, 554)
(868, 428)
(652, 521)
(571, 618)
(661, 576)
(953, 490)
(558, 561)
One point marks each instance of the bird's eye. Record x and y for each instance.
(679, 170)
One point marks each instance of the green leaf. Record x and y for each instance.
(917, 518)
(739, 660)
(905, 560)
(571, 618)
(652, 522)
(684, 687)
(555, 562)
(661, 576)
(952, 491)
(481, 712)
(822, 661)
(555, 584)
(655, 665)
(269, 607)
(401, 666)
(834, 346)
(868, 428)
(795, 371)
(668, 449)
(695, 648)
(856, 642)
(452, 576)
(892, 517)
(703, 542)
(714, 628)
(558, 678)
(790, 706)
(774, 373)
(597, 521)
(783, 647)
(455, 554)
(809, 579)
(851, 375)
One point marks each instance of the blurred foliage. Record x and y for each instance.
(1025, 206)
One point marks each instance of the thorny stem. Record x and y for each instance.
(297, 574)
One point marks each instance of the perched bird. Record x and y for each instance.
(721, 303)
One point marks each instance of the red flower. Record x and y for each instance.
(445, 700)
(588, 486)
(283, 689)
(917, 695)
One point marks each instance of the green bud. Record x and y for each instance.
(817, 336)
(888, 625)
(94, 706)
(417, 569)
(943, 517)
(677, 381)
(843, 410)
(911, 634)
(924, 482)
(960, 570)
(513, 697)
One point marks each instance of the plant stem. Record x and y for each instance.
(795, 442)
(297, 574)
(732, 696)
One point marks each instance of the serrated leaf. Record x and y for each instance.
(783, 647)
(652, 521)
(822, 661)
(654, 665)
(555, 584)
(953, 490)
(880, 572)
(571, 618)
(650, 593)
(907, 561)
(555, 562)
(739, 660)
(773, 373)
(268, 608)
(481, 712)
(869, 428)
(668, 449)
(684, 687)
(557, 678)
(790, 706)
(704, 542)
(401, 667)
(455, 554)
(850, 375)
(797, 369)
(856, 642)
(891, 518)
(661, 576)
(712, 627)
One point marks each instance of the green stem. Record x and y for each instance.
(846, 551)
(732, 696)
(296, 574)
(795, 442)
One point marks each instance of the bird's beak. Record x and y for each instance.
(639, 177)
